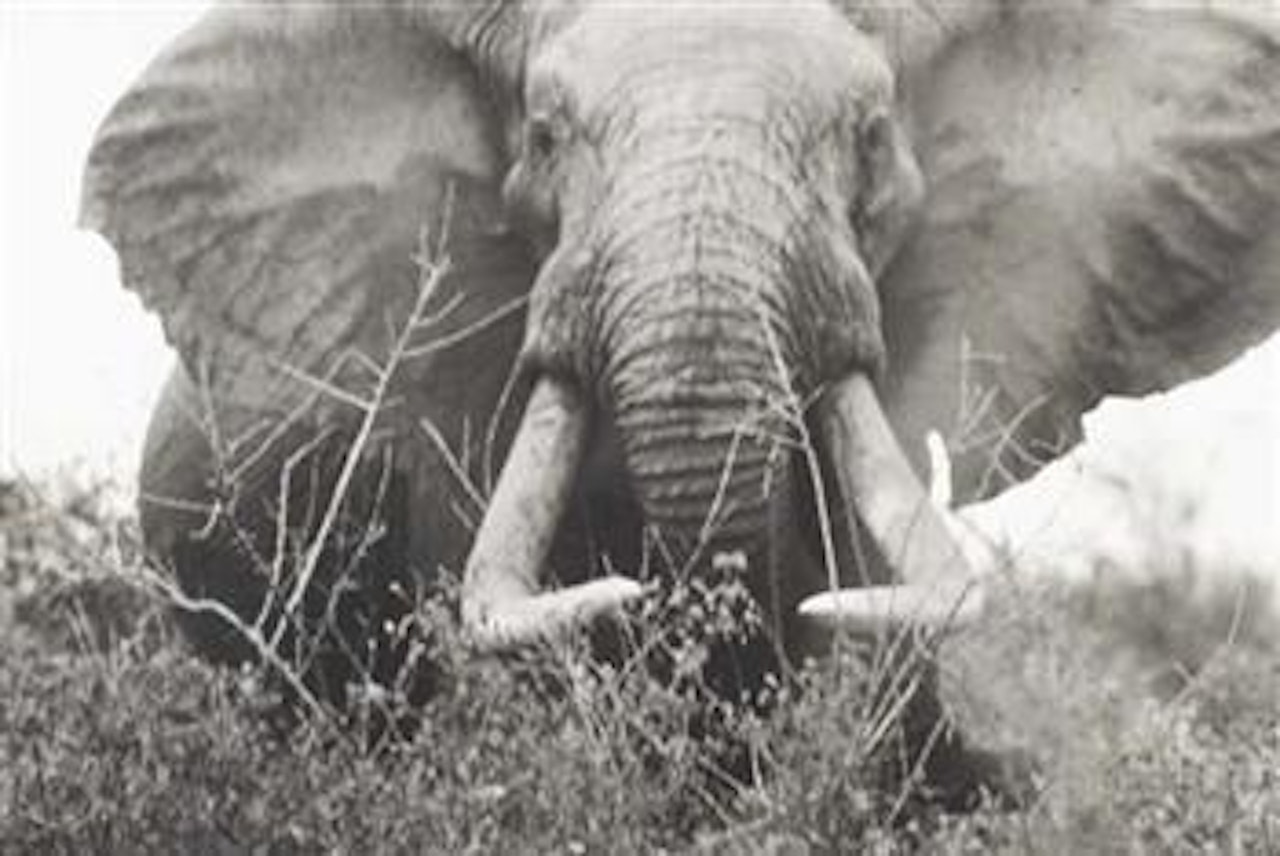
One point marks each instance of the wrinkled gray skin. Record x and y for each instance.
(683, 264)
(713, 208)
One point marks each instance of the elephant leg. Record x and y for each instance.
(242, 542)
(182, 527)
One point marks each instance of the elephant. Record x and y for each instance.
(692, 280)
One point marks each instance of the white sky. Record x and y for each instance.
(80, 362)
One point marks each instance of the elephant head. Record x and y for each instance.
(734, 224)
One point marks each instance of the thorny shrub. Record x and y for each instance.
(113, 739)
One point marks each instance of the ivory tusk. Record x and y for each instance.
(871, 610)
(548, 616)
(940, 492)
(912, 533)
(501, 603)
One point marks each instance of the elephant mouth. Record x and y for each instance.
(504, 607)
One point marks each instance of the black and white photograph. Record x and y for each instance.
(773, 427)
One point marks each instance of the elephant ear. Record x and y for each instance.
(1101, 218)
(267, 180)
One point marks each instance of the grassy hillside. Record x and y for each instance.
(1153, 715)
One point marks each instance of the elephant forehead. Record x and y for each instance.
(722, 51)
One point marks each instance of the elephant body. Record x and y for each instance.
(660, 286)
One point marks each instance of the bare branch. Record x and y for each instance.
(434, 271)
(326, 387)
(456, 468)
(502, 313)
(267, 652)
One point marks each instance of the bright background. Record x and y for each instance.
(80, 362)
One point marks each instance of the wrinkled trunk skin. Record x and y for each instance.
(720, 297)
(696, 346)
(690, 400)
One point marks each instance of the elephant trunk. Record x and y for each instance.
(696, 348)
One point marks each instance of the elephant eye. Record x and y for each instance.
(875, 149)
(874, 158)
(542, 137)
(876, 134)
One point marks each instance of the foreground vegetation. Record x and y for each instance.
(1152, 713)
